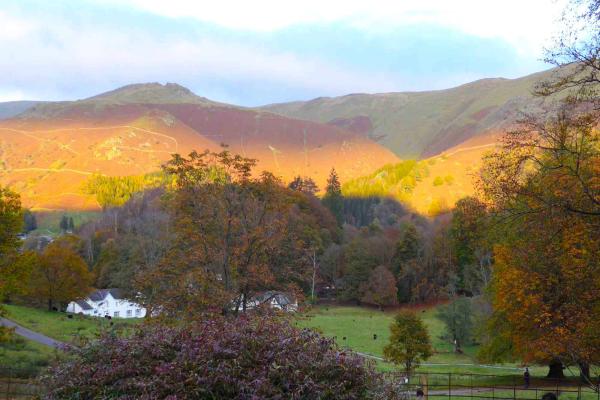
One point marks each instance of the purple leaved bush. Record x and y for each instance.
(218, 358)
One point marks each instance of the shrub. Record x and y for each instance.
(218, 358)
(438, 181)
(449, 179)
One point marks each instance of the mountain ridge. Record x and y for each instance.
(425, 123)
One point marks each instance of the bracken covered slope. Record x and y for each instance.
(47, 152)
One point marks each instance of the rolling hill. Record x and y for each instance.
(48, 151)
(424, 124)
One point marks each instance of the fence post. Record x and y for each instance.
(514, 389)
(471, 384)
(449, 385)
(8, 383)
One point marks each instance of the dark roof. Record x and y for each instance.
(84, 305)
(101, 294)
(283, 299)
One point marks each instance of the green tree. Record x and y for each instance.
(458, 321)
(406, 262)
(409, 341)
(29, 220)
(64, 224)
(470, 245)
(333, 198)
(12, 272)
(360, 260)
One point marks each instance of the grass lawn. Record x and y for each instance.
(358, 325)
(57, 326)
(23, 358)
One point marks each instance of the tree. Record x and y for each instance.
(29, 221)
(304, 185)
(71, 225)
(409, 341)
(576, 53)
(217, 358)
(64, 224)
(381, 288)
(470, 245)
(333, 198)
(12, 272)
(544, 191)
(60, 274)
(360, 260)
(406, 262)
(458, 321)
(235, 236)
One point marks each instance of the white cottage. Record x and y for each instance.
(107, 302)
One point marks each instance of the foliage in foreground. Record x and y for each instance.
(216, 358)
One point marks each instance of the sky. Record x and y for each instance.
(255, 52)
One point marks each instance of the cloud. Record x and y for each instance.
(526, 24)
(60, 57)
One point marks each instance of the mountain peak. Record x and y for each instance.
(150, 93)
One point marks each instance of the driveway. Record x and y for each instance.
(31, 335)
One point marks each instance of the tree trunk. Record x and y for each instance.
(49, 304)
(584, 372)
(555, 370)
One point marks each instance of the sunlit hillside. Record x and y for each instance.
(429, 186)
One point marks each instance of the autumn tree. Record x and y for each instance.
(380, 289)
(60, 274)
(333, 198)
(409, 341)
(543, 188)
(457, 317)
(234, 234)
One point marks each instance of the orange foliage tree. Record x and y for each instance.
(60, 274)
(544, 187)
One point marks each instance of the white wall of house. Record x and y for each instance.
(116, 308)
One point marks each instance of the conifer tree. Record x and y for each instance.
(333, 198)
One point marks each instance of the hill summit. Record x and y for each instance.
(150, 93)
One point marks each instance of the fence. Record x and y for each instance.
(452, 386)
(19, 384)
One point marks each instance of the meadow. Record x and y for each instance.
(355, 327)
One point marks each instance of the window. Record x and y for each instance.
(116, 315)
(129, 312)
(138, 312)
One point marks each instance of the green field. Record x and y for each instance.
(49, 221)
(358, 325)
(24, 358)
(57, 326)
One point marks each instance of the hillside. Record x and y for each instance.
(432, 185)
(10, 109)
(423, 124)
(47, 152)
